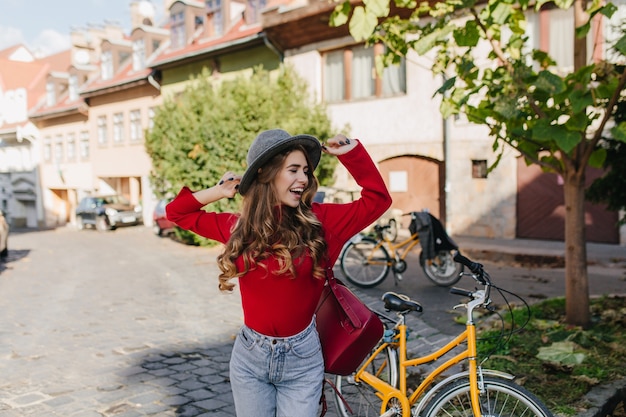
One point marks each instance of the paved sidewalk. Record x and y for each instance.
(538, 250)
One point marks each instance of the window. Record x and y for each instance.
(139, 55)
(47, 149)
(102, 130)
(177, 30)
(552, 31)
(214, 11)
(71, 147)
(334, 77)
(135, 126)
(613, 29)
(50, 94)
(363, 77)
(150, 118)
(398, 181)
(561, 37)
(106, 65)
(118, 127)
(73, 87)
(255, 7)
(350, 74)
(479, 168)
(58, 149)
(83, 139)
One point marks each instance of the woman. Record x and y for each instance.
(278, 248)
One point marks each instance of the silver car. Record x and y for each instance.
(107, 213)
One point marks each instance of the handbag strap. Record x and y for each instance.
(337, 393)
(347, 307)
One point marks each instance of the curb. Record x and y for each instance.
(605, 399)
(526, 259)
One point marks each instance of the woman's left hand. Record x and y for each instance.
(339, 145)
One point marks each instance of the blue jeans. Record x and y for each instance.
(277, 377)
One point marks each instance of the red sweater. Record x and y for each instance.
(279, 305)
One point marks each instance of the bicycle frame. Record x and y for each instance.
(393, 248)
(386, 392)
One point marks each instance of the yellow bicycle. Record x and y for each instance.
(379, 386)
(366, 261)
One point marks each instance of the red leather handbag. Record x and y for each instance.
(348, 329)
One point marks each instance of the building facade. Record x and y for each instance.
(85, 134)
(428, 162)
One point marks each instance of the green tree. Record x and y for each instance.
(206, 130)
(554, 120)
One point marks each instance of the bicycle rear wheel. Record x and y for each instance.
(355, 399)
(365, 263)
(441, 270)
(501, 398)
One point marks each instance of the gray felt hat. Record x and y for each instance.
(271, 142)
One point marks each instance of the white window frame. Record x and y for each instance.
(118, 127)
(136, 132)
(139, 54)
(58, 149)
(50, 94)
(71, 147)
(47, 149)
(106, 65)
(357, 63)
(102, 130)
(178, 35)
(83, 144)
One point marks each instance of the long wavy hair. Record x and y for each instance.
(266, 228)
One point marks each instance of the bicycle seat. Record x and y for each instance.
(400, 302)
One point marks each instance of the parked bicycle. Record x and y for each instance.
(380, 387)
(366, 261)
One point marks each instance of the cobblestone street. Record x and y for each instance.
(113, 324)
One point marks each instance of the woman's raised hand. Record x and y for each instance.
(229, 184)
(339, 145)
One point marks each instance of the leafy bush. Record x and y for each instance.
(206, 130)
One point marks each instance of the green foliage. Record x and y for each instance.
(548, 354)
(205, 131)
(611, 187)
(493, 75)
(520, 96)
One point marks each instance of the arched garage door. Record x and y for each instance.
(541, 208)
(415, 183)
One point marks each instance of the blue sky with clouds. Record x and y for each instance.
(45, 25)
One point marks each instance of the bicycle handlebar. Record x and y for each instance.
(460, 291)
(476, 268)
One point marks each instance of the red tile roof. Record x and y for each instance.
(28, 75)
(6, 53)
(238, 32)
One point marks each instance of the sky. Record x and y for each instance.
(45, 25)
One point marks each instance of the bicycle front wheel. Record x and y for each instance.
(365, 263)
(500, 398)
(355, 399)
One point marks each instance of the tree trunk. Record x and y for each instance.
(576, 278)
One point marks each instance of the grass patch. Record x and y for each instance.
(557, 362)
